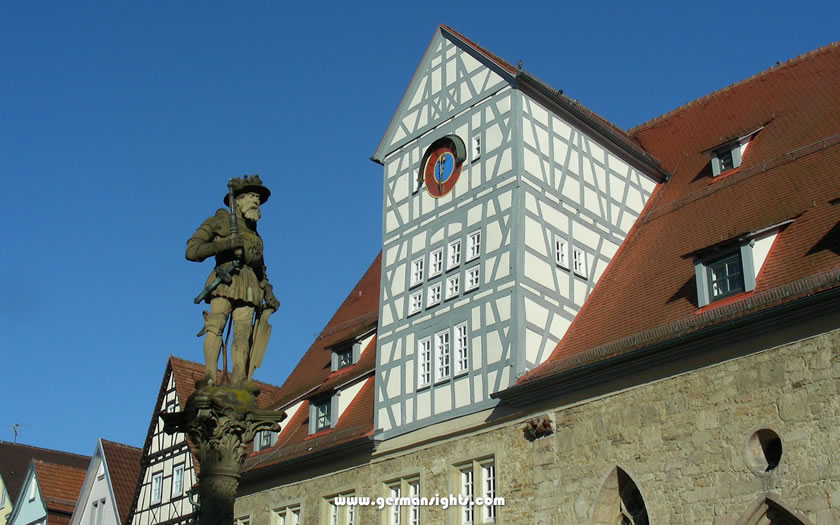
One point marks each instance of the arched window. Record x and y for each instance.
(619, 502)
(769, 511)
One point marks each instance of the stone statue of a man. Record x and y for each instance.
(238, 286)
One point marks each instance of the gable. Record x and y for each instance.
(452, 75)
(27, 510)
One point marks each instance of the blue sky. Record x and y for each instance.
(120, 124)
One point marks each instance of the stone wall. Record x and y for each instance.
(683, 440)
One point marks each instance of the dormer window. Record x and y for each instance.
(727, 156)
(345, 355)
(321, 414)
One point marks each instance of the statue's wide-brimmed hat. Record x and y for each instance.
(247, 184)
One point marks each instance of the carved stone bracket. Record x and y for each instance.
(220, 421)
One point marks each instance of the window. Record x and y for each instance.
(264, 439)
(453, 254)
(345, 354)
(476, 147)
(32, 490)
(97, 512)
(424, 362)
(177, 480)
(320, 415)
(436, 262)
(287, 515)
(461, 349)
(341, 509)
(477, 479)
(472, 279)
(157, 487)
(442, 355)
(724, 274)
(415, 302)
(433, 296)
(561, 253)
(473, 245)
(453, 285)
(416, 272)
(403, 512)
(579, 261)
(727, 156)
(244, 520)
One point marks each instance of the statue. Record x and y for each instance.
(238, 287)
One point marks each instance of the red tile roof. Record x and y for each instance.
(123, 464)
(59, 485)
(15, 458)
(313, 376)
(791, 169)
(186, 374)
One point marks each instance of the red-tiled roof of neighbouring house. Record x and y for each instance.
(186, 373)
(790, 170)
(15, 458)
(59, 485)
(356, 315)
(123, 463)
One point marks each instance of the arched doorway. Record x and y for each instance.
(619, 502)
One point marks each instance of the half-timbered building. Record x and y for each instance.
(577, 323)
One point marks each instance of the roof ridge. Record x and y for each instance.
(119, 444)
(42, 448)
(788, 63)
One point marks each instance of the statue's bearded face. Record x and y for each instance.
(248, 205)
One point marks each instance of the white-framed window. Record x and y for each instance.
(32, 489)
(579, 261)
(416, 271)
(97, 512)
(424, 362)
(157, 487)
(725, 275)
(415, 302)
(177, 480)
(453, 254)
(475, 149)
(475, 479)
(242, 520)
(286, 515)
(462, 349)
(433, 295)
(436, 262)
(442, 356)
(403, 514)
(473, 279)
(473, 245)
(561, 252)
(453, 286)
(340, 511)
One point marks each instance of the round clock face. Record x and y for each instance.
(441, 171)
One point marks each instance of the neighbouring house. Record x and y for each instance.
(109, 485)
(168, 467)
(573, 323)
(15, 460)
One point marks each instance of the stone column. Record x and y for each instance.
(220, 421)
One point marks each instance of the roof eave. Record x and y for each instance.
(537, 89)
(665, 352)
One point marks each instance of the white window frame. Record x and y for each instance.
(416, 272)
(561, 252)
(282, 515)
(424, 362)
(433, 295)
(473, 278)
(415, 302)
(579, 261)
(443, 355)
(453, 286)
(334, 516)
(242, 520)
(177, 481)
(472, 479)
(461, 343)
(475, 146)
(436, 262)
(473, 245)
(402, 514)
(157, 491)
(453, 254)
(32, 485)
